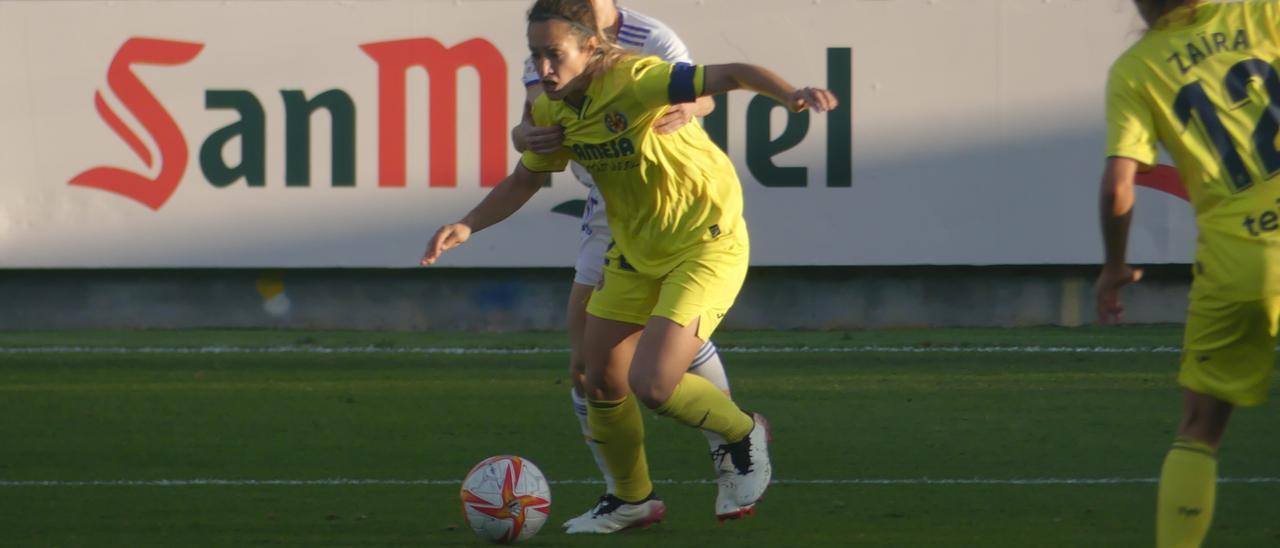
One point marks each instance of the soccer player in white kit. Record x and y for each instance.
(647, 36)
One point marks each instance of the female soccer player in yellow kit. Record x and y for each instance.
(643, 35)
(680, 245)
(1203, 82)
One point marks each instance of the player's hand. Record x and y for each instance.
(539, 139)
(1107, 291)
(675, 118)
(818, 99)
(448, 237)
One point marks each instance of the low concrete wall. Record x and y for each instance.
(525, 299)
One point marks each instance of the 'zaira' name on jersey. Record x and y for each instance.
(1208, 45)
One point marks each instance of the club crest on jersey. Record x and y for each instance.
(615, 122)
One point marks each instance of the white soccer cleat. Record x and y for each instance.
(727, 509)
(743, 471)
(611, 514)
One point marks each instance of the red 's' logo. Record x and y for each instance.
(151, 114)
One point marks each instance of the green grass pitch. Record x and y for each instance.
(1020, 428)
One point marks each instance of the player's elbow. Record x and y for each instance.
(721, 78)
(1113, 188)
(1115, 198)
(1107, 190)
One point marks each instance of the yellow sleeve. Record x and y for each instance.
(1131, 131)
(658, 83)
(543, 163)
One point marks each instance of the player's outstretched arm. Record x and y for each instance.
(506, 198)
(724, 78)
(1115, 203)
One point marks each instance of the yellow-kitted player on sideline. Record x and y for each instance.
(680, 248)
(1203, 83)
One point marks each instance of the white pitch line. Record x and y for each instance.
(402, 482)
(866, 349)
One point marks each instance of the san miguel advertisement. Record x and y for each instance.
(341, 134)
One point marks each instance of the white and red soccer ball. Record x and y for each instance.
(505, 499)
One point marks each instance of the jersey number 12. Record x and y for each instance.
(1193, 101)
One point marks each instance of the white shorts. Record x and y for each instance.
(589, 269)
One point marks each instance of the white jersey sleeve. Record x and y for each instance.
(643, 34)
(530, 76)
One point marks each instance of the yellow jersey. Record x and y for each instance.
(666, 195)
(1203, 82)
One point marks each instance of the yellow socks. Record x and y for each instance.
(618, 431)
(1184, 507)
(698, 403)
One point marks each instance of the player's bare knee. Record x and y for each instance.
(1207, 428)
(1204, 418)
(653, 399)
(601, 387)
(598, 392)
(650, 393)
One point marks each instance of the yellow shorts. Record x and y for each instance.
(702, 287)
(1228, 349)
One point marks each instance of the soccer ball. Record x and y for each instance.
(505, 499)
